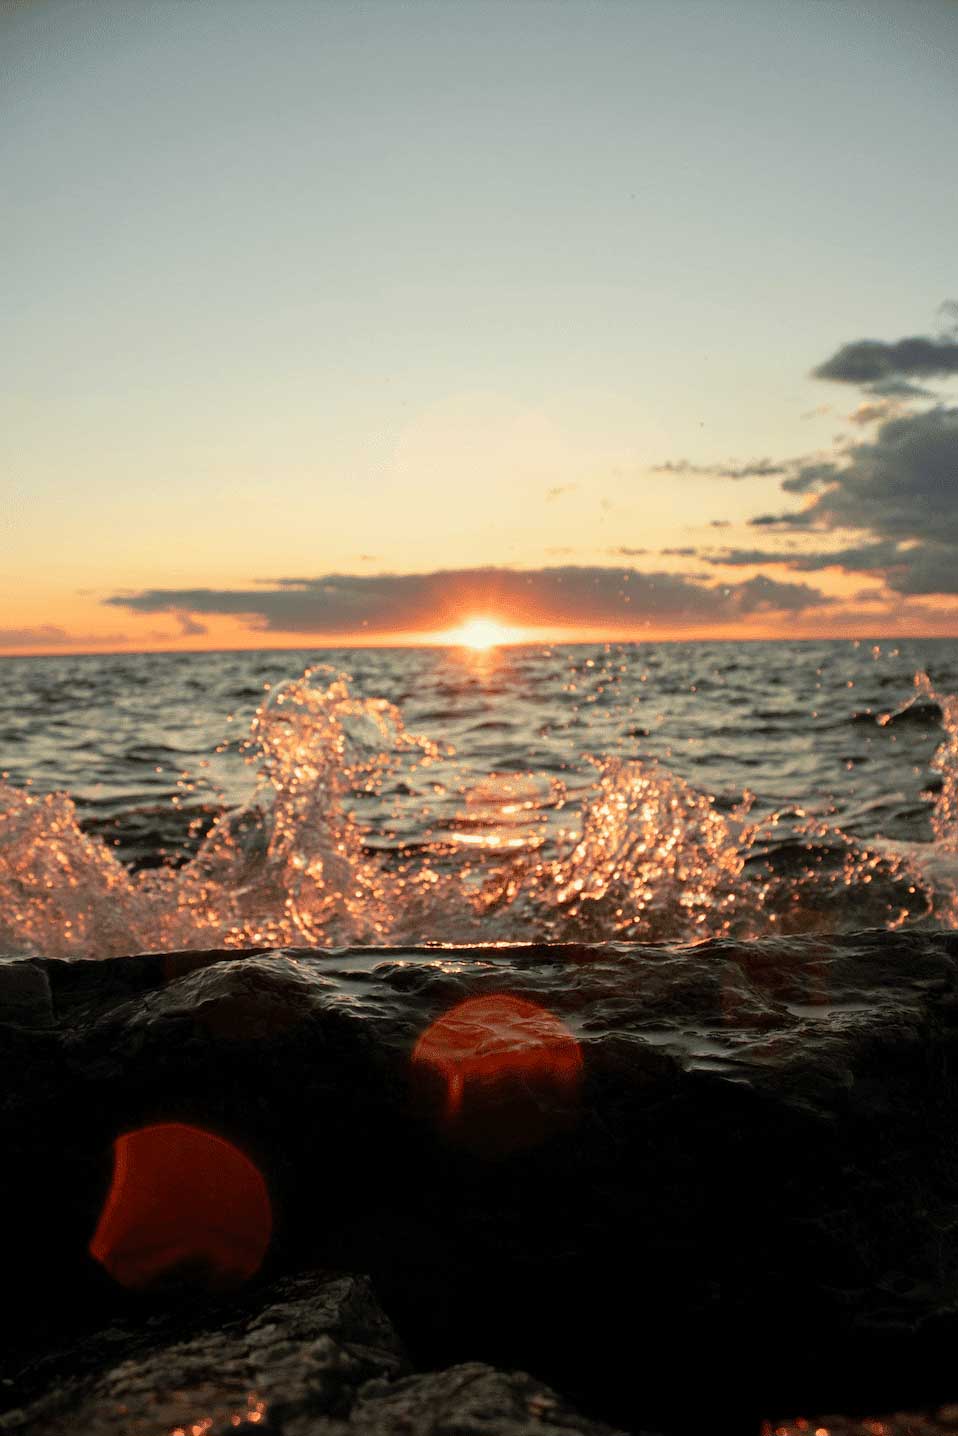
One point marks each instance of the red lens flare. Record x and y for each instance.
(184, 1206)
(499, 1073)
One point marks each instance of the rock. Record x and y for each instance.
(313, 1355)
(25, 998)
(304, 1348)
(752, 1170)
(467, 1400)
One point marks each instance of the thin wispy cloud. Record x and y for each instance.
(752, 469)
(870, 411)
(785, 520)
(948, 310)
(50, 635)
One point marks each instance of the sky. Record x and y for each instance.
(334, 322)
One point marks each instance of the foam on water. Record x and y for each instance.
(631, 852)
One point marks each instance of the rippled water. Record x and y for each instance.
(646, 791)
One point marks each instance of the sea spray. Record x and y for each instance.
(628, 851)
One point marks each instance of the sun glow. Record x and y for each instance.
(481, 634)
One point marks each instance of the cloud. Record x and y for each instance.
(870, 411)
(761, 593)
(899, 389)
(869, 557)
(399, 603)
(48, 635)
(898, 489)
(753, 469)
(901, 484)
(884, 503)
(874, 363)
(189, 628)
(801, 519)
(807, 475)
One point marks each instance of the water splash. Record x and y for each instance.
(938, 863)
(633, 852)
(944, 819)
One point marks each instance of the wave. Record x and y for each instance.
(628, 851)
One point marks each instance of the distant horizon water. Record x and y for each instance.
(327, 647)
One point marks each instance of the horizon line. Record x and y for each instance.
(461, 647)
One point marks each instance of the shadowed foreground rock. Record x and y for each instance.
(318, 1356)
(748, 1169)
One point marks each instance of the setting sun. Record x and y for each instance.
(481, 633)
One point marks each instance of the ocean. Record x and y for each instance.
(661, 792)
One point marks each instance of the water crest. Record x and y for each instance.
(359, 831)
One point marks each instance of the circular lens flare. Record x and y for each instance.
(185, 1207)
(499, 1073)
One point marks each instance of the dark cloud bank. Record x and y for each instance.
(579, 596)
(899, 491)
(892, 497)
(890, 368)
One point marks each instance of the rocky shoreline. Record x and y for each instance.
(689, 1189)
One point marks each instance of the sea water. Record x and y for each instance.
(664, 792)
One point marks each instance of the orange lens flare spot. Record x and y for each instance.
(502, 1072)
(184, 1206)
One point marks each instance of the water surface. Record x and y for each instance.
(667, 792)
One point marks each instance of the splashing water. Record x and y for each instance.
(635, 852)
(939, 865)
(944, 818)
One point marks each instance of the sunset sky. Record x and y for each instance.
(332, 322)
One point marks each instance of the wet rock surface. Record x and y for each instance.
(755, 1177)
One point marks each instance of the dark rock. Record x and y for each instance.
(303, 1349)
(758, 1176)
(314, 1355)
(467, 1400)
(25, 998)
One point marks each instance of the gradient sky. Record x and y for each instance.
(328, 320)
